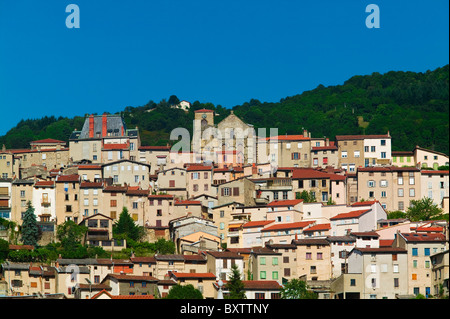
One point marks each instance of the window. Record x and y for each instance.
(356, 153)
(262, 275)
(383, 183)
(415, 252)
(274, 261)
(414, 276)
(275, 275)
(262, 260)
(352, 282)
(320, 256)
(400, 181)
(308, 256)
(395, 269)
(411, 180)
(372, 148)
(396, 283)
(371, 184)
(344, 154)
(113, 203)
(426, 251)
(412, 192)
(383, 154)
(400, 192)
(401, 205)
(383, 142)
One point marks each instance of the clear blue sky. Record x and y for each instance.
(126, 53)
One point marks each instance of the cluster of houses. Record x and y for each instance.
(240, 205)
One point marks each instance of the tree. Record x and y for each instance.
(297, 289)
(126, 228)
(396, 214)
(423, 209)
(70, 235)
(184, 292)
(173, 100)
(4, 249)
(30, 230)
(307, 197)
(235, 285)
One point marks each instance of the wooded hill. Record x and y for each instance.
(412, 106)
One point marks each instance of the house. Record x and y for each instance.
(5, 198)
(313, 259)
(222, 216)
(265, 264)
(67, 191)
(252, 236)
(125, 284)
(240, 190)
(68, 277)
(286, 150)
(268, 189)
(98, 131)
(429, 158)
(394, 187)
(44, 202)
(160, 210)
(285, 211)
(27, 279)
(104, 294)
(192, 207)
(99, 231)
(127, 172)
(340, 246)
(173, 181)
(187, 225)
(364, 216)
(419, 248)
(317, 231)
(201, 281)
(21, 194)
(434, 185)
(197, 242)
(439, 262)
(143, 266)
(220, 263)
(114, 199)
(363, 150)
(199, 180)
(313, 181)
(179, 263)
(90, 198)
(90, 172)
(373, 273)
(287, 261)
(283, 233)
(255, 289)
(324, 154)
(156, 156)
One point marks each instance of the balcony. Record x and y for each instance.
(45, 203)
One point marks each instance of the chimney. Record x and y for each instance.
(104, 125)
(305, 133)
(327, 142)
(91, 126)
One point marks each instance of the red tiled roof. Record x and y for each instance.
(418, 237)
(360, 137)
(435, 172)
(203, 111)
(389, 250)
(308, 173)
(287, 138)
(288, 202)
(115, 146)
(367, 203)
(386, 242)
(354, 214)
(188, 202)
(138, 192)
(318, 227)
(294, 225)
(47, 141)
(44, 184)
(259, 223)
(90, 184)
(68, 178)
(199, 168)
(187, 275)
(160, 196)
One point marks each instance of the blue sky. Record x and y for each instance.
(126, 53)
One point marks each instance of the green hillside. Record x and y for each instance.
(413, 107)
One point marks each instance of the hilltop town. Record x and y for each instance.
(278, 208)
